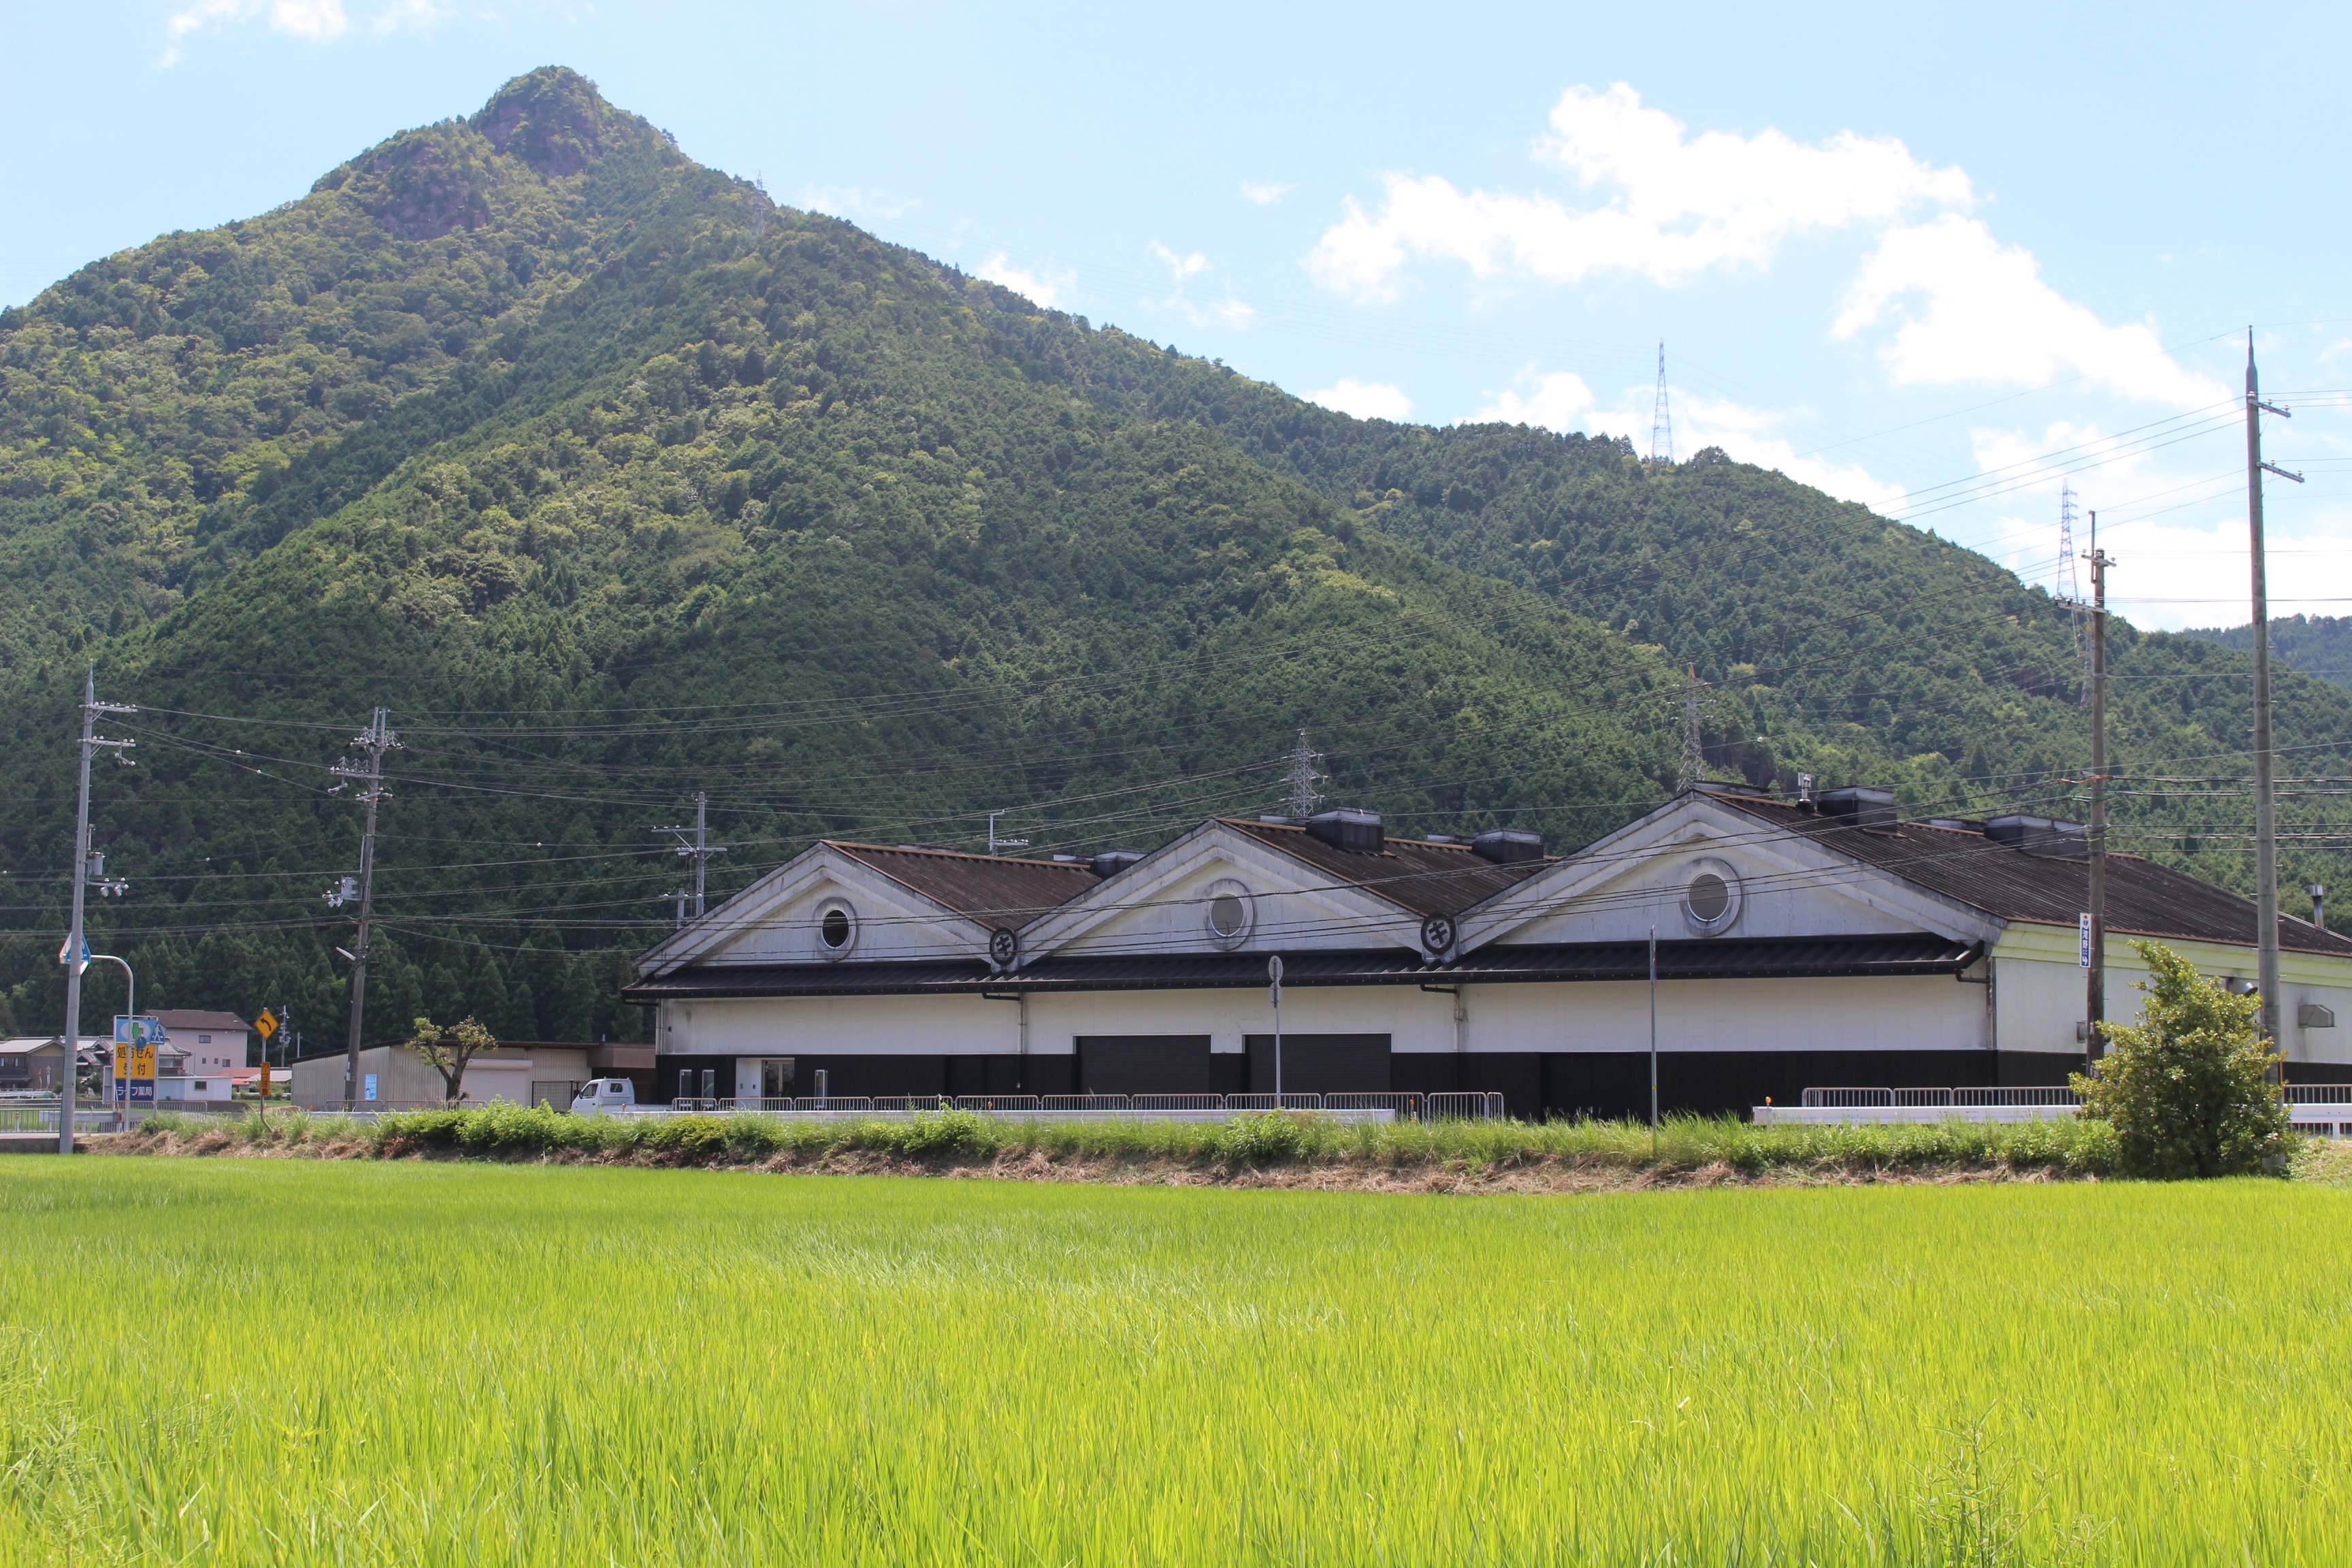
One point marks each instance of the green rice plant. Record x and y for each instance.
(276, 1362)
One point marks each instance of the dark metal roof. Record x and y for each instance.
(2143, 899)
(1426, 879)
(995, 889)
(1789, 958)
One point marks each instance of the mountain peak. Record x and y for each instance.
(552, 119)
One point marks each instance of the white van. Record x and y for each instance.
(604, 1097)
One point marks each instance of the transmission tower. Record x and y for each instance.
(2069, 586)
(1661, 422)
(1693, 766)
(1303, 796)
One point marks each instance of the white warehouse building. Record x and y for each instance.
(1797, 944)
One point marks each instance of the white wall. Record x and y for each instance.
(888, 923)
(2042, 994)
(1171, 915)
(1929, 1012)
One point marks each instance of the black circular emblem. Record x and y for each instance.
(1437, 932)
(1004, 946)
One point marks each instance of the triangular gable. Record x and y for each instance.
(779, 919)
(1164, 903)
(1776, 884)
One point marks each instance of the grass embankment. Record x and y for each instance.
(280, 1362)
(1269, 1148)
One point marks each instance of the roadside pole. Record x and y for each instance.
(1654, 1042)
(1273, 985)
(2266, 909)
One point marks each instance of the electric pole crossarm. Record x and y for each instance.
(2281, 473)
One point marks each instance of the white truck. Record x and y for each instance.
(606, 1097)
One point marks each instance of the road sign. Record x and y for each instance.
(266, 1025)
(1274, 978)
(134, 1067)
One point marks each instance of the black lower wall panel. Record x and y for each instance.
(1146, 1064)
(1321, 1064)
(864, 1075)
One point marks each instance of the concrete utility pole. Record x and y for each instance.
(698, 850)
(373, 741)
(2095, 1045)
(2266, 904)
(75, 954)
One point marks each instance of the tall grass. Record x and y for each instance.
(288, 1362)
(1257, 1139)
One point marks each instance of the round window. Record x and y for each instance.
(1708, 897)
(1226, 912)
(1711, 897)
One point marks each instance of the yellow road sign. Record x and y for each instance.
(142, 1062)
(266, 1023)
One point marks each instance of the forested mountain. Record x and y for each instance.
(2319, 645)
(616, 483)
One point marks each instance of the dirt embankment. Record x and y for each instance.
(1547, 1175)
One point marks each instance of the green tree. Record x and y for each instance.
(2187, 1088)
(447, 1051)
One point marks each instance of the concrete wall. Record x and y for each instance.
(402, 1078)
(2042, 994)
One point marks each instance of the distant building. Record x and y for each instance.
(1813, 945)
(518, 1072)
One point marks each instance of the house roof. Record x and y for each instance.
(1426, 879)
(2144, 899)
(995, 889)
(1712, 958)
(191, 1018)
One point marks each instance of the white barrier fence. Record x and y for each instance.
(1351, 1106)
(2318, 1109)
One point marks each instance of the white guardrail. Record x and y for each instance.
(2319, 1109)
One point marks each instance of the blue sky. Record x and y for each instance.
(1936, 261)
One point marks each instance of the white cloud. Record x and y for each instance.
(1970, 309)
(1225, 312)
(856, 202)
(1045, 290)
(1265, 193)
(314, 21)
(1558, 400)
(1365, 399)
(1677, 205)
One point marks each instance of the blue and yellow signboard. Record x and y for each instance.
(135, 1040)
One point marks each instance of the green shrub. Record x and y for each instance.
(1277, 1137)
(2187, 1088)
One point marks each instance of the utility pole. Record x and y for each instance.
(994, 843)
(2095, 1045)
(373, 741)
(75, 954)
(2266, 904)
(2070, 581)
(698, 850)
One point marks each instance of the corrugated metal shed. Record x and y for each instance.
(994, 889)
(1426, 879)
(1787, 958)
(2142, 897)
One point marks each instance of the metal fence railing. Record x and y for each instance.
(2319, 1094)
(1402, 1103)
(1862, 1099)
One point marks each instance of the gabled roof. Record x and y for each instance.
(2143, 899)
(995, 889)
(175, 1018)
(1424, 878)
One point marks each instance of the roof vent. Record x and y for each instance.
(1347, 828)
(2040, 835)
(1859, 808)
(1509, 846)
(1442, 839)
(1956, 824)
(1111, 862)
(1279, 821)
(1065, 859)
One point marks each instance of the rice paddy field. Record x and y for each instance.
(283, 1361)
